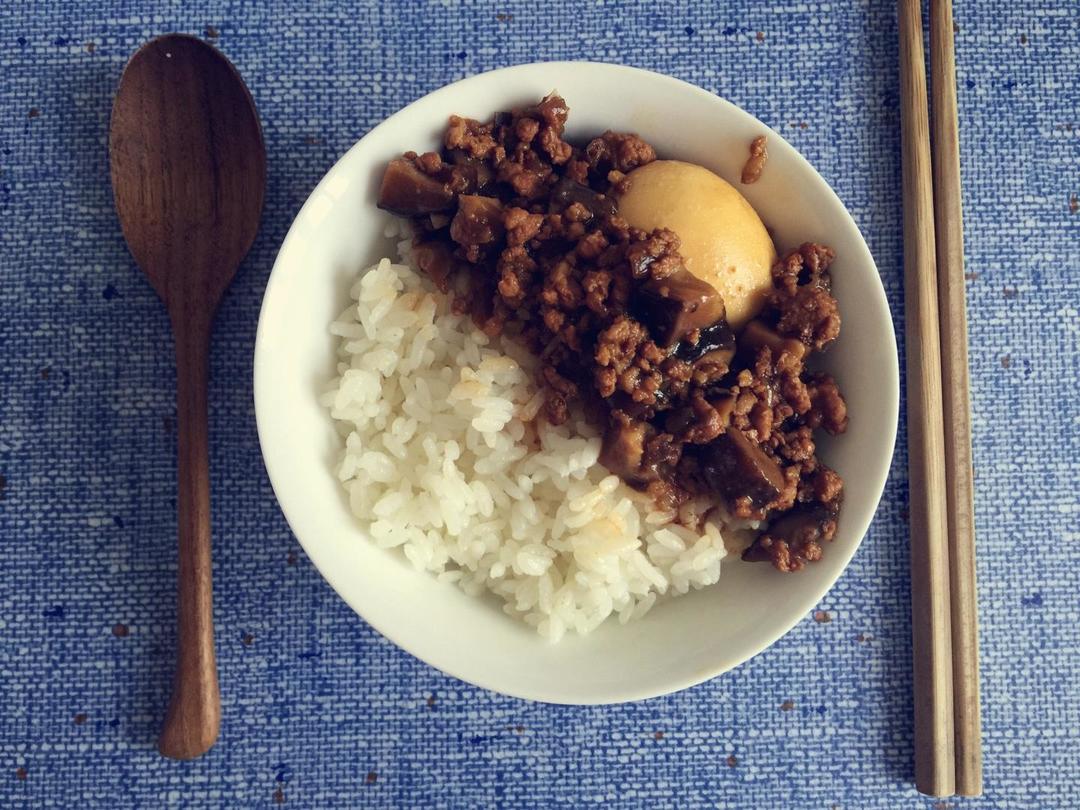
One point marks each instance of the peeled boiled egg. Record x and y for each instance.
(724, 241)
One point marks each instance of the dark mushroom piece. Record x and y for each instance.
(623, 450)
(674, 306)
(799, 532)
(803, 525)
(479, 220)
(476, 176)
(567, 192)
(408, 192)
(713, 352)
(712, 339)
(756, 334)
(680, 420)
(735, 467)
(436, 260)
(469, 175)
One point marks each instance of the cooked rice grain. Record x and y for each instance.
(438, 460)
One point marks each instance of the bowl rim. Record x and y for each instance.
(619, 694)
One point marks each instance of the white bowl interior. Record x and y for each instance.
(681, 642)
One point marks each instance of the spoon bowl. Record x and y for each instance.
(188, 167)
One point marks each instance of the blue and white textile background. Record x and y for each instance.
(321, 712)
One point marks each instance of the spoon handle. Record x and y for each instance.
(194, 715)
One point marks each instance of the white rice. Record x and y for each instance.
(440, 460)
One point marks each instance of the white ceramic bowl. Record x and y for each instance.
(679, 643)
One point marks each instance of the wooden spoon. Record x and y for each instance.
(188, 175)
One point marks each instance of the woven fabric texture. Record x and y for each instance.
(319, 710)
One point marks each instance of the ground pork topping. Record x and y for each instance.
(523, 225)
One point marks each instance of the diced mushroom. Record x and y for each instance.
(699, 421)
(735, 467)
(435, 259)
(458, 157)
(407, 191)
(675, 306)
(476, 176)
(803, 525)
(717, 337)
(711, 356)
(479, 220)
(756, 334)
(469, 175)
(794, 538)
(566, 192)
(623, 450)
(679, 420)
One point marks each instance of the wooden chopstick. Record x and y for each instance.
(956, 400)
(930, 612)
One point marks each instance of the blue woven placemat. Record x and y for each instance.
(319, 711)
